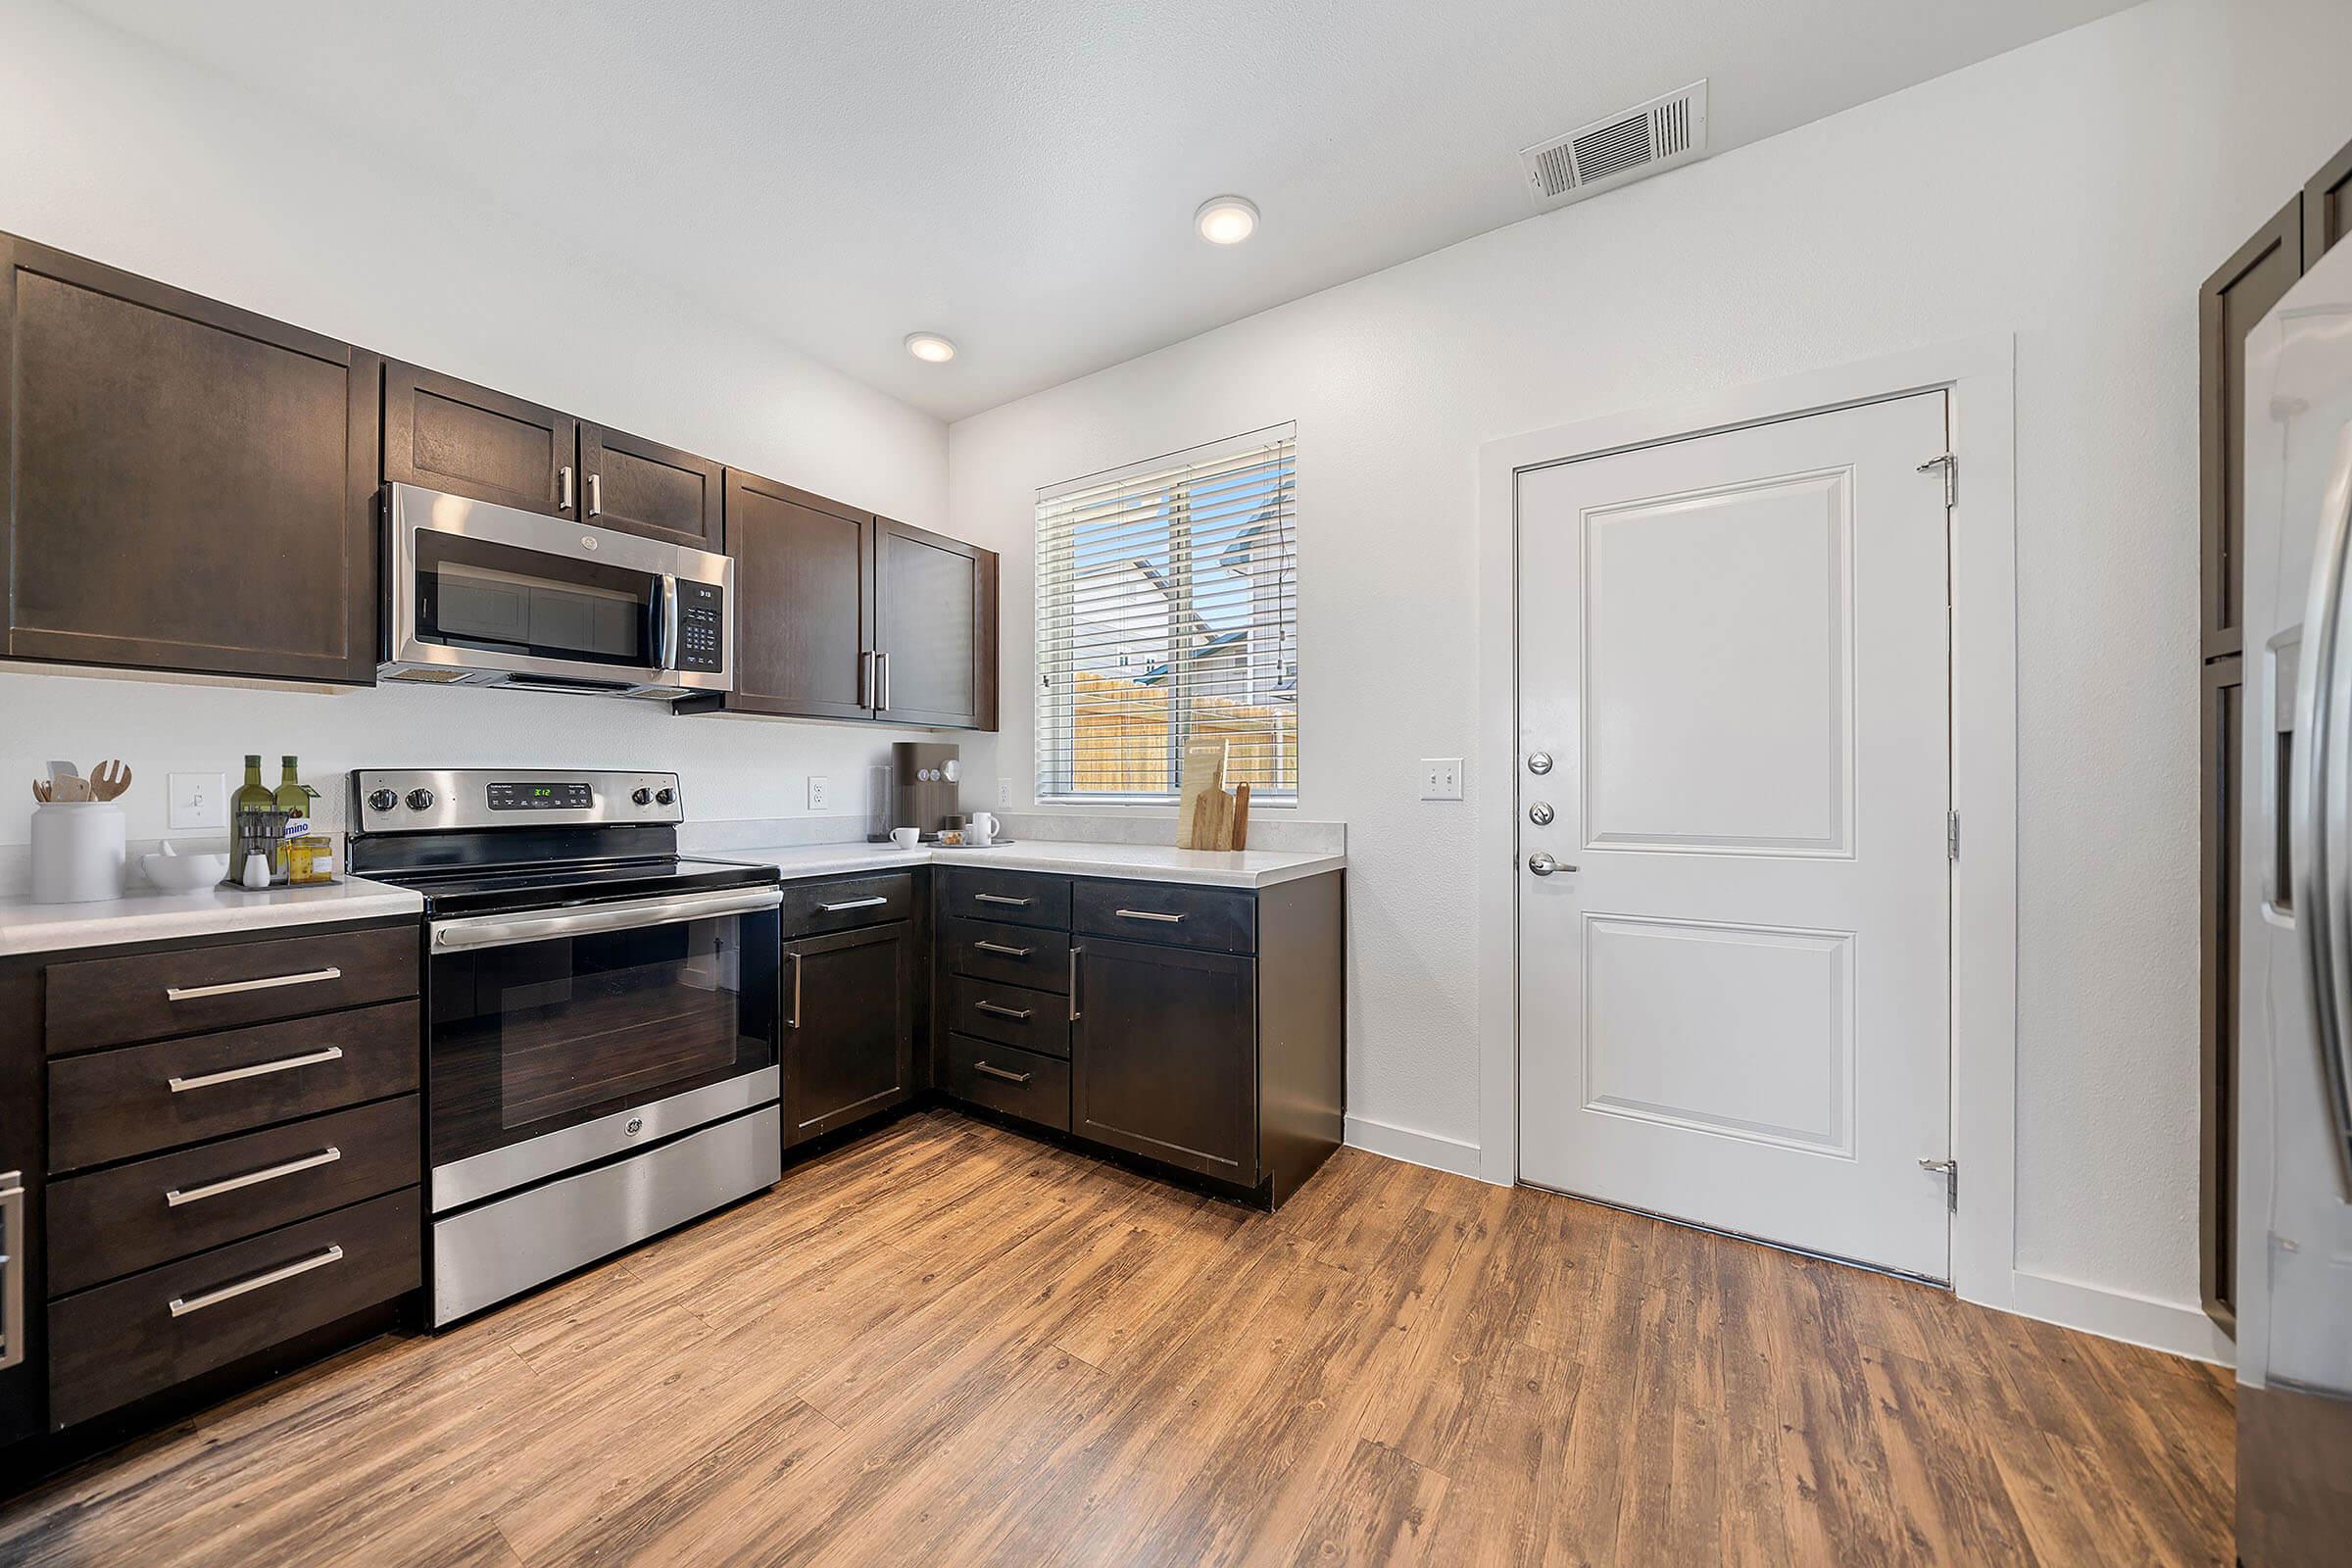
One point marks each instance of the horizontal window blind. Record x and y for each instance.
(1167, 610)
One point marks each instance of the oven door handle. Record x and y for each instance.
(505, 931)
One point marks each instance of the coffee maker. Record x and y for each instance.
(926, 792)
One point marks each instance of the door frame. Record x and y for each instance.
(1980, 376)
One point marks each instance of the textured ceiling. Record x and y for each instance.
(1021, 175)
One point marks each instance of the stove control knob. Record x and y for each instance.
(420, 800)
(381, 799)
(642, 795)
(665, 796)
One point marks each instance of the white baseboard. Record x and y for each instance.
(1414, 1149)
(2167, 1326)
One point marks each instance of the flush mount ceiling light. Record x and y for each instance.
(1226, 220)
(930, 348)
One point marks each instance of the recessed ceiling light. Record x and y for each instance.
(1226, 220)
(930, 347)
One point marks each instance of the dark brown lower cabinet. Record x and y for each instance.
(848, 1035)
(1165, 1055)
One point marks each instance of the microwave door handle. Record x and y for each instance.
(665, 623)
(2321, 800)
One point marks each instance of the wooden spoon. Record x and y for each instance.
(109, 779)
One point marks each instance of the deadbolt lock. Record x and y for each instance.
(1541, 813)
(1539, 761)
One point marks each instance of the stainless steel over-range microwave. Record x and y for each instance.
(483, 595)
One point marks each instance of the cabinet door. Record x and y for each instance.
(448, 434)
(2327, 208)
(848, 1036)
(2221, 712)
(935, 625)
(2233, 300)
(1164, 1055)
(643, 487)
(804, 601)
(183, 485)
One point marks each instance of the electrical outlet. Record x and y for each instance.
(820, 793)
(199, 800)
(1004, 792)
(1440, 778)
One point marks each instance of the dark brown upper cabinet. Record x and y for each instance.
(2232, 301)
(451, 435)
(2327, 208)
(843, 615)
(447, 434)
(643, 487)
(183, 485)
(935, 628)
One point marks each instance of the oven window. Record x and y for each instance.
(540, 1036)
(472, 592)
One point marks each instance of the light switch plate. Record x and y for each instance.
(1440, 778)
(199, 800)
(820, 793)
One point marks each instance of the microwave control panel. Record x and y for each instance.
(702, 626)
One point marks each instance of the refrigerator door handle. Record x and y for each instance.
(2320, 800)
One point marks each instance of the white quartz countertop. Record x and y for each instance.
(148, 915)
(1133, 862)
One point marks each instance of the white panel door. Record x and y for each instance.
(1734, 994)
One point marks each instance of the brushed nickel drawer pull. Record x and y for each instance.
(794, 1022)
(1075, 953)
(12, 1268)
(309, 977)
(183, 1306)
(999, 1072)
(998, 947)
(1001, 1011)
(251, 1178)
(258, 1069)
(1148, 914)
(851, 904)
(999, 897)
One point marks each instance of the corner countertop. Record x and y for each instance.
(149, 914)
(1131, 862)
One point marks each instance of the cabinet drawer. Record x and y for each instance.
(153, 1211)
(107, 1001)
(1217, 919)
(1036, 1020)
(112, 1105)
(811, 907)
(1019, 1083)
(141, 1335)
(1015, 898)
(1009, 955)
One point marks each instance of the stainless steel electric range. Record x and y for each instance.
(600, 1015)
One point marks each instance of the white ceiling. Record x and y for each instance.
(1021, 175)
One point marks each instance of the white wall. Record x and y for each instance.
(2074, 194)
(121, 153)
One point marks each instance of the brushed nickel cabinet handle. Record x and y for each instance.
(794, 1022)
(998, 947)
(229, 1075)
(229, 988)
(1148, 914)
(1074, 953)
(851, 904)
(865, 677)
(882, 701)
(999, 897)
(596, 495)
(1021, 1013)
(564, 488)
(183, 1306)
(12, 1268)
(175, 1197)
(999, 1073)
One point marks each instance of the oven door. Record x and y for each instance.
(559, 1038)
(478, 594)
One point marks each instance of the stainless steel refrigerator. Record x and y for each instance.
(2294, 1214)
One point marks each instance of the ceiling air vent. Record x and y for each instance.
(1641, 141)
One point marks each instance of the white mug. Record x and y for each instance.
(905, 838)
(980, 829)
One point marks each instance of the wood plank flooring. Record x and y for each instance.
(947, 1343)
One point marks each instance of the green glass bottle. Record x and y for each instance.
(253, 794)
(294, 800)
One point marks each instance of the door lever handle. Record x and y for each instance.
(1544, 864)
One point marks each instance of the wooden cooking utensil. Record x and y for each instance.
(109, 779)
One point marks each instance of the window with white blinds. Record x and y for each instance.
(1167, 612)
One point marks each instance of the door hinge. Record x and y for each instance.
(1951, 834)
(1950, 1170)
(1950, 465)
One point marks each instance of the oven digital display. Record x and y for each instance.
(561, 797)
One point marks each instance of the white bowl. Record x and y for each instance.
(183, 874)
